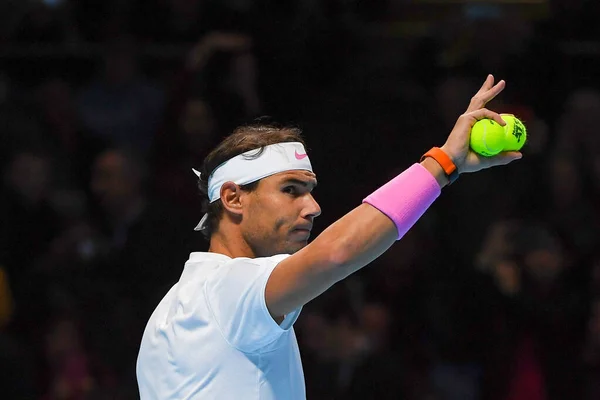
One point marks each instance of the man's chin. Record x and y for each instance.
(296, 246)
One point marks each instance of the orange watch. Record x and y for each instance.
(445, 162)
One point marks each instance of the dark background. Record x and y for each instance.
(105, 106)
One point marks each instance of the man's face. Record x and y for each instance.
(279, 214)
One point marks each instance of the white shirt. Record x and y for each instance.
(212, 337)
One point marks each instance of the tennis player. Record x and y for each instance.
(225, 330)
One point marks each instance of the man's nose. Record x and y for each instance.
(312, 208)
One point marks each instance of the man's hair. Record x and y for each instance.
(243, 139)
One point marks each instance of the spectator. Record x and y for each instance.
(62, 133)
(192, 122)
(575, 126)
(189, 142)
(130, 219)
(29, 221)
(569, 208)
(68, 364)
(121, 106)
(537, 322)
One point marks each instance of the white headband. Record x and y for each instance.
(249, 167)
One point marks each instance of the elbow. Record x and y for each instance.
(329, 257)
(340, 255)
(337, 259)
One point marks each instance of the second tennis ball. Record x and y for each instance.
(489, 138)
(515, 133)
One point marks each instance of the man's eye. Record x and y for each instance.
(290, 190)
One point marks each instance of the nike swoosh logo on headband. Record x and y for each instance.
(299, 156)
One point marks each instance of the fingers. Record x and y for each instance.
(499, 119)
(486, 93)
(494, 91)
(487, 84)
(484, 113)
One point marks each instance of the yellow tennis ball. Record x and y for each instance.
(516, 133)
(487, 137)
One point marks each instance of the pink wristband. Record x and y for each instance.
(405, 198)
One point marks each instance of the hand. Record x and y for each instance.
(457, 144)
(486, 93)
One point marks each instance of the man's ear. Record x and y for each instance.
(230, 198)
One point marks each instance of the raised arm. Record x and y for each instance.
(367, 231)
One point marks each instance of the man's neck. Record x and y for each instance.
(230, 243)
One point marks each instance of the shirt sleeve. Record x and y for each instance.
(235, 294)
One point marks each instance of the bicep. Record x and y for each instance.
(297, 280)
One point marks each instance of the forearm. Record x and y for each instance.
(365, 233)
(357, 239)
(344, 247)
(354, 240)
(436, 170)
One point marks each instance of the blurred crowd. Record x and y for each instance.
(107, 106)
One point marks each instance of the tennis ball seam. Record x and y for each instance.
(483, 139)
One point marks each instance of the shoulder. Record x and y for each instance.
(217, 258)
(240, 271)
(260, 261)
(253, 264)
